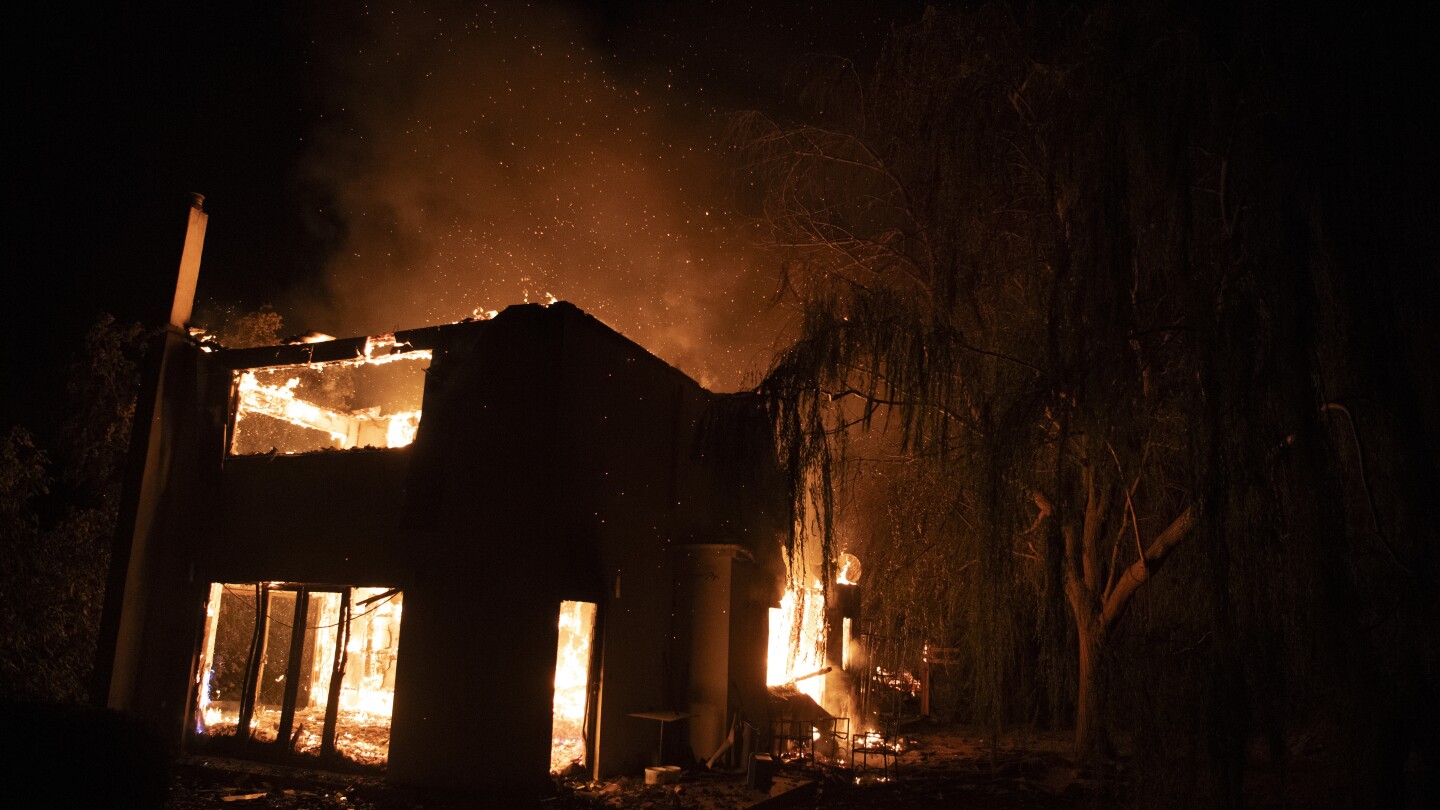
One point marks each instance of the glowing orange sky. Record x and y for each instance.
(494, 158)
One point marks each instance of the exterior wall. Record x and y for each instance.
(706, 584)
(317, 517)
(622, 418)
(554, 460)
(477, 649)
(754, 590)
(148, 629)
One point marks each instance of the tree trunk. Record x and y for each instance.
(1090, 738)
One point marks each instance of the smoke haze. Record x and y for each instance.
(490, 156)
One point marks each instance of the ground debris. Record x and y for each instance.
(943, 766)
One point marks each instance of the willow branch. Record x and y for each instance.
(1139, 572)
(874, 400)
(1045, 510)
(1365, 482)
(1129, 503)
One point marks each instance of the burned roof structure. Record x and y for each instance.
(411, 551)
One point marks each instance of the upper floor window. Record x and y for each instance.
(368, 401)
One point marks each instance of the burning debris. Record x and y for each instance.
(800, 635)
(903, 682)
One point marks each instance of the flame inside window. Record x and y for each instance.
(310, 670)
(369, 401)
(572, 681)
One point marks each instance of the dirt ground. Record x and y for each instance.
(941, 766)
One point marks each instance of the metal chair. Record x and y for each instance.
(885, 744)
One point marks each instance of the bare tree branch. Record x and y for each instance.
(1139, 571)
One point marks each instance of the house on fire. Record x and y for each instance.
(473, 553)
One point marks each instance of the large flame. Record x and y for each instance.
(315, 398)
(572, 679)
(797, 636)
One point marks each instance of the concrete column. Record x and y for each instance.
(708, 575)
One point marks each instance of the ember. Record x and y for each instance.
(903, 681)
(874, 741)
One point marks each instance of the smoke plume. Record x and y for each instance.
(492, 155)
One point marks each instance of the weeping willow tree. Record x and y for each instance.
(983, 253)
(1062, 259)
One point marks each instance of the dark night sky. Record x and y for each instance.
(293, 120)
(372, 167)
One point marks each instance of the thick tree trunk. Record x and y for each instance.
(1091, 741)
(1097, 605)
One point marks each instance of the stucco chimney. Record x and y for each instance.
(189, 263)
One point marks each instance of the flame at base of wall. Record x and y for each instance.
(797, 641)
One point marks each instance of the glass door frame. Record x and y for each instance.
(259, 643)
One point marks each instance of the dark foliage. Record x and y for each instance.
(1123, 288)
(57, 518)
(71, 756)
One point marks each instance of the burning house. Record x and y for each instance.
(471, 554)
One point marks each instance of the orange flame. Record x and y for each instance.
(572, 679)
(797, 634)
(258, 395)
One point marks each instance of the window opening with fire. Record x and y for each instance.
(572, 686)
(307, 670)
(797, 642)
(368, 401)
